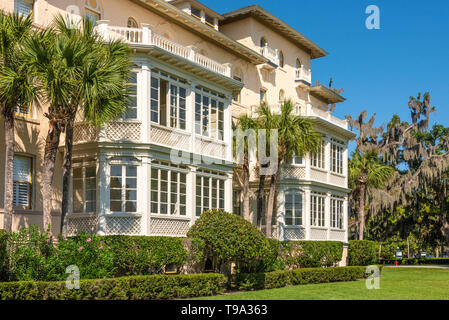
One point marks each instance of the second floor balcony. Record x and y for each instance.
(303, 76)
(145, 36)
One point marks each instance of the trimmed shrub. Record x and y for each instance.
(362, 252)
(279, 279)
(125, 288)
(145, 255)
(311, 254)
(225, 238)
(417, 261)
(4, 263)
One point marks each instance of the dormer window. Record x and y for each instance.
(210, 21)
(196, 13)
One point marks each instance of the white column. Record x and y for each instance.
(327, 162)
(191, 115)
(228, 128)
(307, 206)
(228, 193)
(143, 102)
(143, 195)
(103, 196)
(327, 211)
(345, 217)
(146, 34)
(191, 195)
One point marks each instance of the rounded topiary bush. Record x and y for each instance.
(224, 238)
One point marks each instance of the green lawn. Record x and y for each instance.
(395, 284)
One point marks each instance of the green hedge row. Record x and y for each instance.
(311, 254)
(125, 288)
(417, 261)
(3, 255)
(282, 278)
(362, 252)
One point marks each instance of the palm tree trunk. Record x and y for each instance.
(271, 201)
(260, 194)
(246, 187)
(67, 173)
(50, 152)
(9, 170)
(361, 210)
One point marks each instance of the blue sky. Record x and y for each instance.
(378, 69)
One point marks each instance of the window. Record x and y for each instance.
(209, 114)
(336, 160)
(317, 210)
(337, 212)
(317, 159)
(23, 7)
(209, 192)
(263, 42)
(84, 189)
(237, 76)
(298, 64)
(132, 23)
(123, 188)
(281, 96)
(210, 21)
(263, 95)
(168, 101)
(92, 16)
(297, 160)
(132, 106)
(281, 59)
(293, 208)
(22, 182)
(196, 13)
(168, 191)
(23, 111)
(93, 11)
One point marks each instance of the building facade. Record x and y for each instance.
(154, 171)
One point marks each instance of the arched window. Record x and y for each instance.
(166, 36)
(281, 96)
(298, 64)
(263, 42)
(293, 208)
(281, 59)
(203, 52)
(93, 10)
(132, 23)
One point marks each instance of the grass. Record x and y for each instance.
(395, 284)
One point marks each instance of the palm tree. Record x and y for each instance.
(296, 137)
(245, 123)
(16, 90)
(78, 73)
(366, 172)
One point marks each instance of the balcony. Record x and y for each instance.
(272, 55)
(145, 36)
(303, 77)
(326, 115)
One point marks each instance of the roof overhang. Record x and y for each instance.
(276, 25)
(189, 66)
(326, 94)
(325, 124)
(188, 22)
(198, 5)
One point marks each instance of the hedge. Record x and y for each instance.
(362, 252)
(417, 261)
(3, 255)
(282, 278)
(126, 288)
(310, 254)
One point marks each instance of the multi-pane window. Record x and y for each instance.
(23, 111)
(337, 212)
(263, 95)
(336, 159)
(168, 191)
(196, 13)
(210, 21)
(123, 188)
(84, 189)
(209, 114)
(23, 7)
(317, 159)
(92, 16)
(168, 100)
(317, 212)
(296, 160)
(293, 208)
(209, 192)
(22, 178)
(132, 105)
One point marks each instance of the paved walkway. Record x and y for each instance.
(421, 267)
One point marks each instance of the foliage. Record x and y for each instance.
(417, 261)
(362, 252)
(309, 254)
(4, 260)
(28, 251)
(145, 255)
(126, 288)
(278, 279)
(227, 238)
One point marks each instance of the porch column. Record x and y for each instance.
(228, 192)
(191, 195)
(327, 215)
(307, 213)
(144, 101)
(103, 194)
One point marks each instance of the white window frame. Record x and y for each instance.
(318, 160)
(203, 111)
(317, 210)
(21, 4)
(84, 166)
(17, 184)
(123, 189)
(337, 212)
(337, 148)
(134, 95)
(294, 194)
(216, 182)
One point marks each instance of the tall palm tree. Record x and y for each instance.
(296, 137)
(78, 73)
(16, 90)
(245, 123)
(366, 172)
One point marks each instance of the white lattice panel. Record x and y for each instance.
(338, 235)
(78, 225)
(337, 180)
(293, 173)
(168, 227)
(294, 234)
(83, 132)
(119, 130)
(123, 225)
(318, 234)
(210, 148)
(318, 175)
(167, 137)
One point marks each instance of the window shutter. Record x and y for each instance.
(23, 7)
(22, 179)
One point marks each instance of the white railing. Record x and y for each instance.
(271, 54)
(326, 115)
(146, 36)
(303, 74)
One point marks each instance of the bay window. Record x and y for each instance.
(84, 190)
(293, 208)
(336, 159)
(337, 212)
(209, 114)
(123, 188)
(209, 191)
(317, 159)
(132, 105)
(317, 211)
